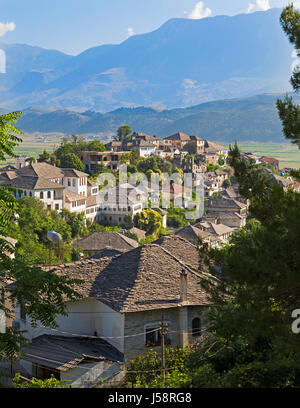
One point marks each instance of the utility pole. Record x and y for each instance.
(163, 332)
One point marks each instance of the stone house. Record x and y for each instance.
(124, 299)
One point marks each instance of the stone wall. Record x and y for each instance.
(137, 322)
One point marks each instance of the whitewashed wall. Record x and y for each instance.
(86, 317)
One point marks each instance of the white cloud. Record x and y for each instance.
(296, 4)
(130, 31)
(200, 11)
(259, 5)
(5, 27)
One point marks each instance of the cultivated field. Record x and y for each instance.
(288, 154)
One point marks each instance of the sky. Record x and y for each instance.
(72, 26)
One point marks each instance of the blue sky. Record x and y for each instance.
(72, 26)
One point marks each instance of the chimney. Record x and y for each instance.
(183, 285)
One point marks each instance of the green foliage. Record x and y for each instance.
(147, 240)
(52, 382)
(149, 221)
(71, 161)
(123, 133)
(144, 371)
(288, 112)
(128, 222)
(8, 138)
(176, 217)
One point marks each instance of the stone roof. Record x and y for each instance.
(70, 196)
(145, 278)
(34, 183)
(211, 147)
(74, 173)
(91, 201)
(218, 229)
(107, 252)
(64, 353)
(43, 170)
(179, 136)
(181, 248)
(100, 240)
(225, 202)
(138, 232)
(191, 233)
(9, 167)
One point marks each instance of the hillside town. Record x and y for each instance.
(134, 278)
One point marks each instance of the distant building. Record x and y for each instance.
(92, 159)
(270, 160)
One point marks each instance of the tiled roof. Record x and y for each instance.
(34, 183)
(269, 159)
(191, 233)
(64, 353)
(138, 232)
(70, 196)
(211, 147)
(182, 248)
(179, 136)
(100, 240)
(218, 229)
(43, 170)
(74, 173)
(225, 202)
(146, 278)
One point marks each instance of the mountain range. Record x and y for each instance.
(254, 118)
(184, 62)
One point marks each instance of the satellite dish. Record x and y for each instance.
(54, 236)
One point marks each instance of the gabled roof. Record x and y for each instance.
(191, 233)
(43, 170)
(100, 240)
(218, 229)
(269, 159)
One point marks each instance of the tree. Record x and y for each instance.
(123, 133)
(258, 280)
(71, 161)
(288, 112)
(149, 221)
(42, 293)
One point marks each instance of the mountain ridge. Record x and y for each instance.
(241, 119)
(183, 62)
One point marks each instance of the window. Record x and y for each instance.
(49, 194)
(69, 183)
(196, 327)
(74, 182)
(153, 337)
(57, 206)
(41, 195)
(22, 312)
